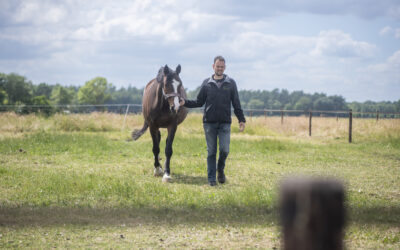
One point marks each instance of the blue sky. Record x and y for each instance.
(348, 48)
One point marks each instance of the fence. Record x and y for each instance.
(137, 108)
(339, 113)
(350, 114)
(114, 108)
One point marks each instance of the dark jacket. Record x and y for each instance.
(218, 101)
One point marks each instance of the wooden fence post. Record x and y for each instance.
(350, 125)
(281, 116)
(377, 115)
(312, 214)
(309, 124)
(126, 114)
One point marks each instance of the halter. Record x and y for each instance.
(166, 96)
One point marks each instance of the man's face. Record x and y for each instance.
(219, 67)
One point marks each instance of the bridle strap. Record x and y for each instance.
(170, 95)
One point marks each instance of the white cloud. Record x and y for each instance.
(164, 21)
(366, 9)
(394, 61)
(39, 13)
(331, 43)
(397, 33)
(390, 31)
(380, 81)
(386, 30)
(391, 65)
(339, 44)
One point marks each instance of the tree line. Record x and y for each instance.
(17, 90)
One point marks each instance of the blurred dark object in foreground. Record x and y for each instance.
(312, 214)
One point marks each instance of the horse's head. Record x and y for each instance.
(171, 87)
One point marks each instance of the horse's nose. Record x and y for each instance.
(173, 110)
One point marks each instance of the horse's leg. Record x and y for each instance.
(155, 135)
(159, 140)
(168, 151)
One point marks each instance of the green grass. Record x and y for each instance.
(78, 182)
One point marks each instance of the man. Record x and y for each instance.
(218, 92)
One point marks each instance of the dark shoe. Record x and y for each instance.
(221, 177)
(212, 183)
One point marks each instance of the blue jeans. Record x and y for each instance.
(222, 131)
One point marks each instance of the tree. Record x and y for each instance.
(3, 79)
(338, 102)
(3, 97)
(265, 98)
(284, 96)
(43, 89)
(95, 91)
(244, 95)
(255, 104)
(41, 105)
(131, 95)
(288, 106)
(295, 96)
(355, 106)
(316, 96)
(304, 103)
(18, 89)
(277, 105)
(324, 103)
(61, 95)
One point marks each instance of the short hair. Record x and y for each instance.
(219, 58)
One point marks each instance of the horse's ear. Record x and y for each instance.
(160, 75)
(166, 70)
(178, 69)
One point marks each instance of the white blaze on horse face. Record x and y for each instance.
(176, 103)
(175, 83)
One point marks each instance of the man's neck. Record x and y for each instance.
(216, 77)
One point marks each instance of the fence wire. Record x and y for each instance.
(137, 108)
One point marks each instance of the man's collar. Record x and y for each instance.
(225, 79)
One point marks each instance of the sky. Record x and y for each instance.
(347, 48)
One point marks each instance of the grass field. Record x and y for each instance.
(77, 181)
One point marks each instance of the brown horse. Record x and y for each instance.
(161, 109)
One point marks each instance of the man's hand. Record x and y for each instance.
(241, 126)
(182, 102)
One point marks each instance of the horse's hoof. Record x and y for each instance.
(158, 171)
(166, 178)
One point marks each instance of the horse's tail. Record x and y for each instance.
(137, 133)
